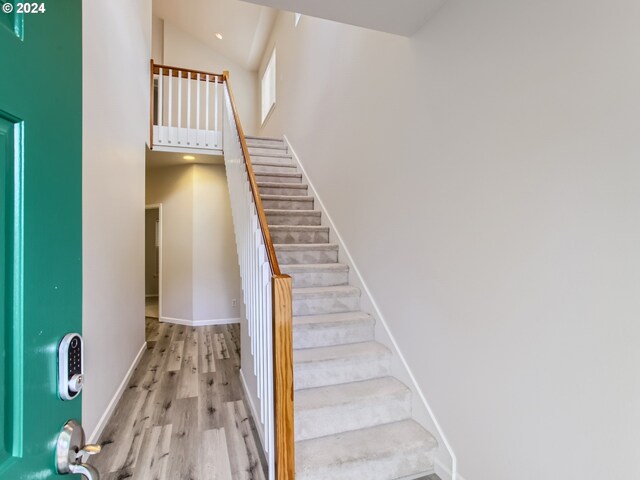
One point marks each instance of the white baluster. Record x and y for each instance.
(188, 107)
(216, 112)
(198, 111)
(206, 128)
(170, 101)
(160, 102)
(179, 104)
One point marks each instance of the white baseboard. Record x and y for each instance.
(254, 411)
(95, 435)
(420, 406)
(444, 472)
(200, 323)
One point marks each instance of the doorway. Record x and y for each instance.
(153, 267)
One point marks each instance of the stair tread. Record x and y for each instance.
(389, 440)
(305, 198)
(254, 137)
(311, 292)
(301, 186)
(277, 174)
(339, 352)
(314, 267)
(266, 163)
(251, 145)
(275, 211)
(308, 228)
(345, 393)
(331, 318)
(271, 155)
(292, 247)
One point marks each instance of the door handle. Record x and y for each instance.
(72, 453)
(89, 472)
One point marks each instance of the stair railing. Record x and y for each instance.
(267, 297)
(185, 110)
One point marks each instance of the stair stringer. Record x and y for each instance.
(445, 459)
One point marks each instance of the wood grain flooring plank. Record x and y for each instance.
(164, 400)
(176, 350)
(154, 454)
(206, 357)
(233, 334)
(184, 451)
(221, 346)
(129, 437)
(188, 376)
(214, 456)
(243, 454)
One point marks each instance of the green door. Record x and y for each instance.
(40, 227)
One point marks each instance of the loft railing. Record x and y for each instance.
(267, 296)
(267, 293)
(185, 109)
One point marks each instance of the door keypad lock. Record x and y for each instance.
(70, 366)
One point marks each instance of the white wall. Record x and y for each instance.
(116, 39)
(183, 50)
(484, 175)
(200, 274)
(157, 39)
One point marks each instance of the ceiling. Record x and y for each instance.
(402, 17)
(245, 27)
(156, 159)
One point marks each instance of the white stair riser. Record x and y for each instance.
(267, 151)
(304, 236)
(294, 204)
(365, 413)
(306, 256)
(264, 177)
(326, 304)
(336, 371)
(294, 192)
(284, 161)
(261, 168)
(259, 142)
(326, 335)
(293, 219)
(319, 279)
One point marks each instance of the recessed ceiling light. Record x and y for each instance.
(219, 36)
(189, 157)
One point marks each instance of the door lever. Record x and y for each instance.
(72, 453)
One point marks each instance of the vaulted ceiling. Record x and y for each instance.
(402, 17)
(245, 27)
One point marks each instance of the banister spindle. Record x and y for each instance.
(198, 103)
(160, 102)
(188, 102)
(170, 101)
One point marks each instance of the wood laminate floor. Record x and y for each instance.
(183, 415)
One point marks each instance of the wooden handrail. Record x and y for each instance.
(266, 236)
(183, 73)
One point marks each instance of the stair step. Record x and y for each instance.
(293, 217)
(309, 253)
(270, 141)
(395, 450)
(268, 149)
(317, 274)
(272, 157)
(277, 188)
(274, 167)
(320, 367)
(299, 234)
(284, 202)
(312, 331)
(322, 300)
(351, 406)
(278, 177)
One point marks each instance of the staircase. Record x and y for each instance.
(352, 418)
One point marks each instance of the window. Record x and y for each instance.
(269, 87)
